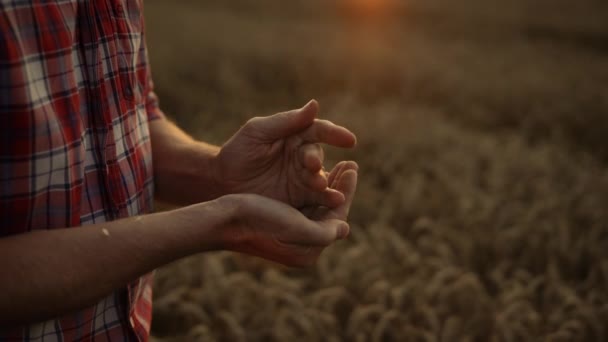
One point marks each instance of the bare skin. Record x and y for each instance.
(61, 271)
(278, 156)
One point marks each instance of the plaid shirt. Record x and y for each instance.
(75, 100)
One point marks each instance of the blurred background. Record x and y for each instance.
(482, 209)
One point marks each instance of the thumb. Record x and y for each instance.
(285, 124)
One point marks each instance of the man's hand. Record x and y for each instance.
(276, 231)
(279, 157)
(42, 287)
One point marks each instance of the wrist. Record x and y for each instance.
(191, 174)
(203, 225)
(216, 174)
(186, 171)
(229, 232)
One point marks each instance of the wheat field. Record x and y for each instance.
(482, 207)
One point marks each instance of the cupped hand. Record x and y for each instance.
(342, 178)
(280, 157)
(276, 231)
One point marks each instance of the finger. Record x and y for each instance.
(323, 131)
(329, 198)
(314, 181)
(337, 170)
(336, 173)
(311, 157)
(336, 229)
(320, 233)
(331, 194)
(325, 198)
(284, 124)
(347, 184)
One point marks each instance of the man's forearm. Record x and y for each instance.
(184, 169)
(47, 273)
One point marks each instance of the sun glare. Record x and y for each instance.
(369, 8)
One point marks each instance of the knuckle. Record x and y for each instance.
(253, 126)
(321, 151)
(255, 121)
(313, 152)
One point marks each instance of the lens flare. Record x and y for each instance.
(368, 8)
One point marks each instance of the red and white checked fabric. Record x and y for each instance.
(75, 100)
